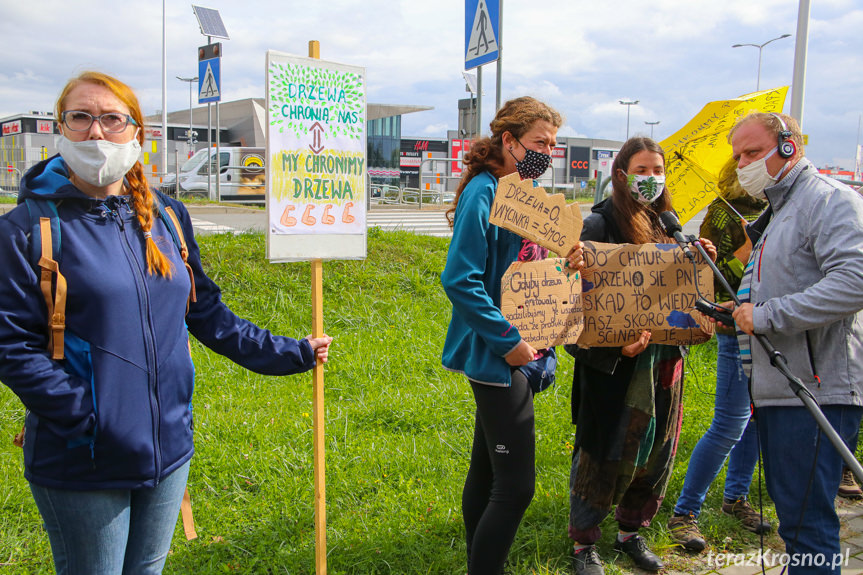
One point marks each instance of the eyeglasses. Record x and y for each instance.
(112, 122)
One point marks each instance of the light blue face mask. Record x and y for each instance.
(645, 189)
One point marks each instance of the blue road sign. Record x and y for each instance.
(481, 27)
(209, 81)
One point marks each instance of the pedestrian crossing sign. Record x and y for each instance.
(209, 81)
(481, 32)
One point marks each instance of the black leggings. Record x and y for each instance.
(501, 478)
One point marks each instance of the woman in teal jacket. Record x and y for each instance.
(481, 343)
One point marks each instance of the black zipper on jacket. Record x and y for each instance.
(149, 344)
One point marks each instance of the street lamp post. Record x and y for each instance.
(628, 104)
(760, 47)
(190, 81)
(651, 124)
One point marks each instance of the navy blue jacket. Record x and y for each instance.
(117, 412)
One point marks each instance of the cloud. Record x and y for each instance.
(581, 57)
(435, 130)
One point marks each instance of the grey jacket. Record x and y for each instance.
(807, 287)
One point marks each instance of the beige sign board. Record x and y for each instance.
(532, 213)
(543, 300)
(627, 289)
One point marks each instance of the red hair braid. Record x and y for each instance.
(142, 203)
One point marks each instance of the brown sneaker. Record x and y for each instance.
(848, 487)
(684, 531)
(750, 518)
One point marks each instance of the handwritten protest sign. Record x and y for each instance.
(316, 146)
(543, 300)
(627, 289)
(533, 214)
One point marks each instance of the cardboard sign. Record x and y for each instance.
(631, 288)
(742, 253)
(543, 300)
(530, 212)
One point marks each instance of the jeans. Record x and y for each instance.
(803, 471)
(732, 431)
(114, 531)
(500, 482)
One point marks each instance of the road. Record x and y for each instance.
(432, 222)
(215, 219)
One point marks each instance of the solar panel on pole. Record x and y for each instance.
(210, 22)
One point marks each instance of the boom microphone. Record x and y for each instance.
(671, 226)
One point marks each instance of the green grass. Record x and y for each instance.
(398, 434)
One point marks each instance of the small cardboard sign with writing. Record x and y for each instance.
(742, 253)
(543, 300)
(533, 214)
(631, 288)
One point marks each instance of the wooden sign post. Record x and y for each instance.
(318, 412)
(316, 196)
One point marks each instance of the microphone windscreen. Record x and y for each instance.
(670, 223)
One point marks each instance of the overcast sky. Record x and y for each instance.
(580, 56)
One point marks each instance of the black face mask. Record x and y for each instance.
(533, 165)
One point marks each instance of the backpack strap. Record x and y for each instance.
(176, 230)
(188, 518)
(45, 227)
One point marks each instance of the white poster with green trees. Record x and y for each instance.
(316, 152)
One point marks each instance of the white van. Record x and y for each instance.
(240, 170)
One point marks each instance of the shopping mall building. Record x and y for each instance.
(393, 161)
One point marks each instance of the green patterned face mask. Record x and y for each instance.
(645, 189)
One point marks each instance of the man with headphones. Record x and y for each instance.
(803, 289)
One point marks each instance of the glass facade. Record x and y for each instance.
(383, 144)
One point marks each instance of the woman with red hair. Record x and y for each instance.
(108, 389)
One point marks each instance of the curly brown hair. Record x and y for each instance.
(517, 116)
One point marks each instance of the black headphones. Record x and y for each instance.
(787, 147)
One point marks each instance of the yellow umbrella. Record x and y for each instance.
(695, 153)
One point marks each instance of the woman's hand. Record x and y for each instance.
(634, 349)
(320, 346)
(575, 257)
(521, 355)
(708, 247)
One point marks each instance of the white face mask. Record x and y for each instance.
(645, 189)
(99, 162)
(755, 178)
